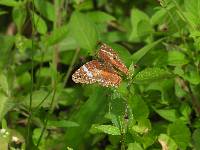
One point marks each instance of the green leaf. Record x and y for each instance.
(192, 6)
(108, 129)
(5, 49)
(193, 77)
(86, 115)
(114, 36)
(180, 133)
(176, 58)
(56, 36)
(39, 23)
(144, 29)
(196, 139)
(45, 8)
(62, 124)
(4, 84)
(136, 17)
(143, 126)
(36, 135)
(168, 114)
(83, 30)
(38, 97)
(19, 16)
(136, 103)
(151, 74)
(158, 16)
(5, 105)
(186, 111)
(134, 146)
(140, 53)
(100, 17)
(11, 3)
(166, 142)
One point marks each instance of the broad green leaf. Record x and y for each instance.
(186, 111)
(136, 103)
(39, 97)
(100, 16)
(55, 36)
(24, 79)
(108, 129)
(140, 53)
(176, 58)
(192, 6)
(158, 16)
(114, 36)
(11, 3)
(151, 74)
(4, 84)
(196, 139)
(144, 29)
(39, 23)
(143, 126)
(86, 115)
(83, 30)
(5, 105)
(45, 8)
(19, 16)
(136, 17)
(193, 77)
(168, 114)
(5, 49)
(180, 133)
(166, 142)
(62, 124)
(117, 106)
(134, 146)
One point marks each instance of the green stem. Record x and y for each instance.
(71, 66)
(47, 118)
(31, 90)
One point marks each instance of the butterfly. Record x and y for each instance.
(102, 71)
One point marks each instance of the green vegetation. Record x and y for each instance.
(42, 43)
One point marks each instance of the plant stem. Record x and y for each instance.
(71, 66)
(47, 117)
(31, 89)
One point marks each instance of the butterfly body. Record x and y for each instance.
(101, 72)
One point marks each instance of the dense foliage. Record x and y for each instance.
(43, 42)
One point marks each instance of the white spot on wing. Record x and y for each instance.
(87, 71)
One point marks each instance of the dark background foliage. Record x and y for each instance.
(42, 43)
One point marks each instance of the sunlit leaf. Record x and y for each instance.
(108, 129)
(166, 142)
(83, 30)
(151, 74)
(180, 133)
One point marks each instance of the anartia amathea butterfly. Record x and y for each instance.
(103, 71)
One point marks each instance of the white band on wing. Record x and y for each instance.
(87, 71)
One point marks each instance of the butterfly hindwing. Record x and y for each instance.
(95, 71)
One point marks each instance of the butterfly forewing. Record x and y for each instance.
(108, 55)
(95, 71)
